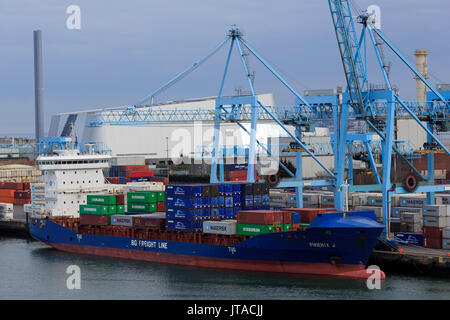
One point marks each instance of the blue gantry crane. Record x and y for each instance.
(361, 99)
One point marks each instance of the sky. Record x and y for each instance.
(126, 49)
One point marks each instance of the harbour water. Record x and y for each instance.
(32, 270)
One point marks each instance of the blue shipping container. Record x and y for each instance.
(228, 202)
(184, 190)
(229, 213)
(173, 213)
(184, 225)
(188, 203)
(412, 238)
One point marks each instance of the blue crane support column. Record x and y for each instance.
(38, 86)
(387, 161)
(299, 172)
(340, 154)
(430, 167)
(254, 106)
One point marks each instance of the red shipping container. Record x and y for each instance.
(11, 185)
(432, 232)
(432, 243)
(141, 174)
(287, 217)
(308, 214)
(135, 168)
(164, 180)
(161, 206)
(120, 199)
(113, 180)
(21, 201)
(149, 222)
(7, 193)
(22, 195)
(94, 219)
(26, 186)
(263, 217)
(295, 226)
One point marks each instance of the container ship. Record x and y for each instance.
(224, 226)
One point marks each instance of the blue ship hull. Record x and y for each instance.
(338, 244)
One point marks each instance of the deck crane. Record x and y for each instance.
(359, 97)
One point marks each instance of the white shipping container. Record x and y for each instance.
(220, 227)
(396, 211)
(416, 201)
(37, 187)
(437, 222)
(6, 215)
(6, 207)
(378, 210)
(438, 210)
(122, 220)
(443, 199)
(446, 243)
(446, 233)
(411, 217)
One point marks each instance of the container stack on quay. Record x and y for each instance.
(122, 174)
(20, 173)
(436, 219)
(6, 211)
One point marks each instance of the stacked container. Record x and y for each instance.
(304, 216)
(446, 238)
(6, 211)
(37, 198)
(436, 218)
(187, 206)
(143, 201)
(99, 208)
(251, 223)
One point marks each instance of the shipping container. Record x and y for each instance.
(99, 199)
(446, 233)
(411, 217)
(439, 222)
(413, 201)
(142, 207)
(253, 229)
(432, 232)
(142, 197)
(161, 206)
(260, 217)
(94, 219)
(179, 213)
(96, 209)
(307, 215)
(188, 191)
(228, 227)
(412, 238)
(122, 220)
(187, 203)
(141, 174)
(184, 225)
(436, 210)
(149, 221)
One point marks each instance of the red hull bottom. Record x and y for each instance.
(350, 271)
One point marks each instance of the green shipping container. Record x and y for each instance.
(94, 209)
(141, 197)
(120, 209)
(160, 196)
(253, 229)
(112, 209)
(105, 200)
(142, 207)
(287, 227)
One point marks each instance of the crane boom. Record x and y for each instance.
(349, 48)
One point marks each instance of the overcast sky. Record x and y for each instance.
(126, 49)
